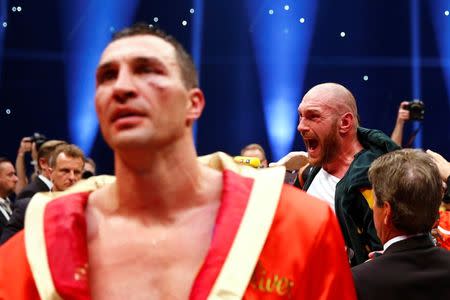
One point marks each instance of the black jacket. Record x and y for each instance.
(352, 209)
(410, 269)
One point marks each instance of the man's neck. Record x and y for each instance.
(163, 184)
(344, 158)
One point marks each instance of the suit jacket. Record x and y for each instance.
(16, 221)
(35, 186)
(410, 269)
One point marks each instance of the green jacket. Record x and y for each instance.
(351, 207)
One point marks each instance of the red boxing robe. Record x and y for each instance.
(302, 252)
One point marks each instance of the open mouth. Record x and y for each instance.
(311, 144)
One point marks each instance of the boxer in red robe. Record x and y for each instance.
(218, 231)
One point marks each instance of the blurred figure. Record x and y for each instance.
(29, 144)
(65, 167)
(8, 182)
(89, 168)
(407, 192)
(255, 150)
(402, 118)
(442, 228)
(42, 182)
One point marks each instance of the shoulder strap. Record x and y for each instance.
(240, 263)
(35, 245)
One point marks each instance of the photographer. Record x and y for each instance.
(402, 117)
(29, 144)
(407, 111)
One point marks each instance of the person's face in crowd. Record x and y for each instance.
(67, 172)
(8, 179)
(140, 96)
(88, 167)
(256, 153)
(318, 126)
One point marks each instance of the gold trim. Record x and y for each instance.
(238, 268)
(35, 246)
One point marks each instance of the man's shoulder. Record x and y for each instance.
(300, 208)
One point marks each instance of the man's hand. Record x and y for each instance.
(403, 113)
(442, 163)
(25, 146)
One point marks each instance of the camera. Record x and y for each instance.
(416, 110)
(38, 139)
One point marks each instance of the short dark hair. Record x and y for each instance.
(188, 71)
(70, 150)
(4, 159)
(46, 149)
(409, 180)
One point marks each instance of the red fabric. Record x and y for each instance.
(16, 281)
(235, 193)
(444, 223)
(65, 235)
(303, 257)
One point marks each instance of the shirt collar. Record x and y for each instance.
(46, 181)
(398, 239)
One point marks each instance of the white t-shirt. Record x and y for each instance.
(323, 187)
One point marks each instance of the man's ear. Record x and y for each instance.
(387, 211)
(347, 122)
(195, 104)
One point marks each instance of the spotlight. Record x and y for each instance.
(342, 34)
(446, 13)
(8, 111)
(365, 77)
(270, 11)
(5, 24)
(302, 20)
(286, 7)
(191, 10)
(184, 23)
(14, 9)
(155, 19)
(19, 8)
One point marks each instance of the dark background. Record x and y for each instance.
(33, 83)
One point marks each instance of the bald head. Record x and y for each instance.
(334, 96)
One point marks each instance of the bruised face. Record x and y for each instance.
(318, 125)
(141, 99)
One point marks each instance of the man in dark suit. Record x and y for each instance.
(42, 183)
(407, 193)
(8, 181)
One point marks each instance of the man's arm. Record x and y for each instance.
(21, 170)
(402, 117)
(442, 163)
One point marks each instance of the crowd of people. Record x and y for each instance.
(361, 220)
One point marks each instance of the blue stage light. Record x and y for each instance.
(196, 40)
(87, 31)
(415, 63)
(281, 45)
(4, 20)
